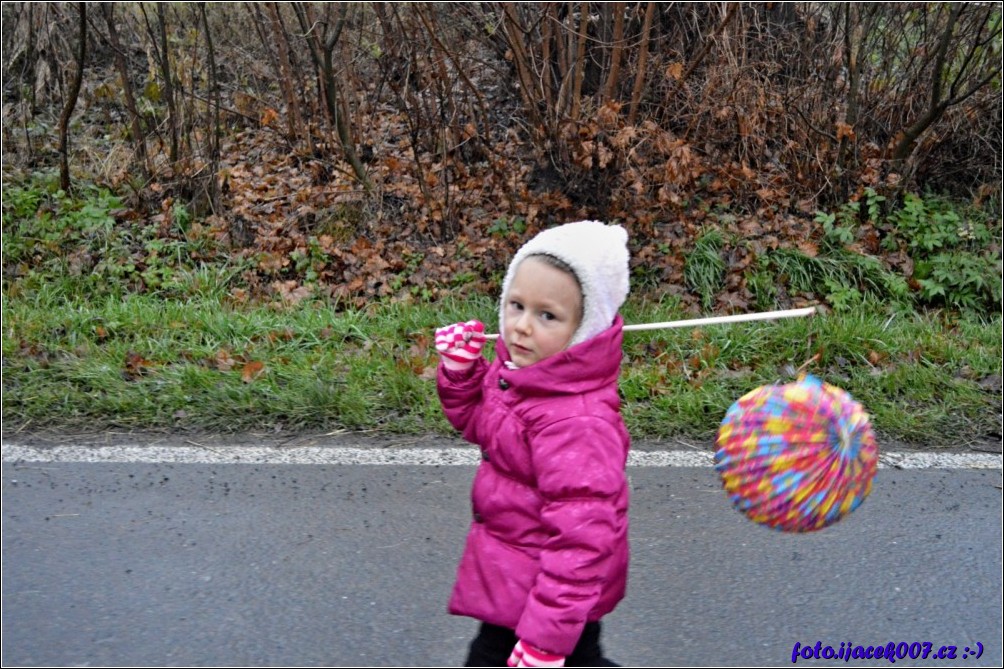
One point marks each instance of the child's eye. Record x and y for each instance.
(547, 316)
(516, 305)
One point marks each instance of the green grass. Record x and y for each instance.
(704, 269)
(73, 363)
(148, 363)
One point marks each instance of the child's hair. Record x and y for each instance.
(557, 263)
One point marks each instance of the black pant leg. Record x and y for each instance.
(588, 652)
(491, 647)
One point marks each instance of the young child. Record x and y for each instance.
(546, 555)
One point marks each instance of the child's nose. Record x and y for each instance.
(522, 324)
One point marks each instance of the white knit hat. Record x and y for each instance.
(598, 255)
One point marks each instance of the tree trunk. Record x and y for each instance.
(293, 119)
(30, 58)
(340, 118)
(215, 137)
(514, 33)
(580, 59)
(71, 102)
(709, 42)
(323, 56)
(853, 38)
(165, 69)
(639, 82)
(938, 104)
(618, 49)
(139, 137)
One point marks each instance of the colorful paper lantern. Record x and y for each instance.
(796, 457)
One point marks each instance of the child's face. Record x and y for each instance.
(542, 312)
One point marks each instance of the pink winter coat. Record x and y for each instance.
(547, 549)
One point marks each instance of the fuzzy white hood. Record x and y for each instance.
(598, 255)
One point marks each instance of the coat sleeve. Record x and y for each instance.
(579, 466)
(460, 395)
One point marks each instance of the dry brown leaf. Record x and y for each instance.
(223, 361)
(286, 334)
(808, 248)
(135, 366)
(268, 117)
(844, 130)
(608, 114)
(252, 370)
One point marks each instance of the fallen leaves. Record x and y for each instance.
(135, 366)
(223, 360)
(252, 370)
(290, 292)
(309, 232)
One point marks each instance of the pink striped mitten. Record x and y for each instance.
(525, 655)
(460, 344)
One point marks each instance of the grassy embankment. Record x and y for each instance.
(145, 363)
(85, 350)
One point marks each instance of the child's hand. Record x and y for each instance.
(525, 655)
(460, 344)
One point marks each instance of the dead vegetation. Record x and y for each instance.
(364, 150)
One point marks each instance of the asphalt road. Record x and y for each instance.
(154, 564)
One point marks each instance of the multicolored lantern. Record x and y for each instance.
(796, 457)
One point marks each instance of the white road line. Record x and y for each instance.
(315, 455)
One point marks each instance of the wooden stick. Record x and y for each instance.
(715, 320)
